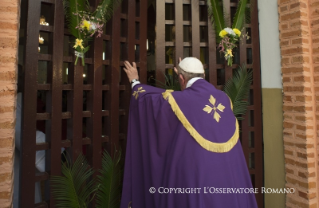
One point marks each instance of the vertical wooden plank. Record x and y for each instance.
(28, 136)
(212, 53)
(178, 30)
(75, 106)
(195, 29)
(259, 174)
(131, 40)
(54, 104)
(160, 40)
(94, 125)
(226, 7)
(143, 38)
(113, 104)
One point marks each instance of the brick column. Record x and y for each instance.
(298, 25)
(9, 36)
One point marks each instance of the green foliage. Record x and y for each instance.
(109, 191)
(105, 9)
(71, 7)
(215, 11)
(74, 189)
(237, 89)
(171, 83)
(239, 18)
(77, 187)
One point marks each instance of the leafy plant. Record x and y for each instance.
(171, 82)
(109, 192)
(237, 89)
(227, 36)
(84, 24)
(77, 187)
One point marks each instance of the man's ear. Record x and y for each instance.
(175, 70)
(181, 78)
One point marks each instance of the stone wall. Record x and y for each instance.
(9, 37)
(299, 25)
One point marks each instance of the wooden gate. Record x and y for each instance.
(89, 105)
(183, 29)
(86, 108)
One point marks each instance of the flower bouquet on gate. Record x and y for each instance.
(227, 37)
(83, 23)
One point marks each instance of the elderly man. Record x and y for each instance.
(183, 148)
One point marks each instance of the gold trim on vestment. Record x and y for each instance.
(206, 144)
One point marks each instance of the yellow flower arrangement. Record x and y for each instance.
(238, 33)
(86, 24)
(78, 42)
(223, 33)
(229, 53)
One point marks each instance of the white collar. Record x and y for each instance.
(192, 80)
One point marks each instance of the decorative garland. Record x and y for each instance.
(84, 24)
(226, 36)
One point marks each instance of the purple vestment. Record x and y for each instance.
(162, 153)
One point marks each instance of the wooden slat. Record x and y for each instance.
(195, 30)
(257, 104)
(105, 139)
(86, 141)
(160, 40)
(75, 100)
(94, 104)
(44, 57)
(67, 87)
(86, 114)
(54, 99)
(42, 146)
(48, 1)
(169, 22)
(66, 115)
(105, 87)
(105, 113)
(44, 87)
(42, 205)
(143, 38)
(28, 125)
(68, 59)
(113, 80)
(45, 28)
(87, 87)
(66, 143)
(122, 87)
(41, 176)
(106, 62)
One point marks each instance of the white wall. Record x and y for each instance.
(269, 44)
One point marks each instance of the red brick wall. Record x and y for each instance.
(9, 36)
(298, 25)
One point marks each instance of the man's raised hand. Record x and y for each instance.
(131, 71)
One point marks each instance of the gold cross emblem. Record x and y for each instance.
(139, 90)
(213, 109)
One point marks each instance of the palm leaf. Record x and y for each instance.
(237, 89)
(215, 11)
(109, 191)
(71, 8)
(74, 188)
(239, 18)
(105, 10)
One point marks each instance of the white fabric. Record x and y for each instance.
(192, 80)
(192, 65)
(135, 83)
(189, 83)
(39, 156)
